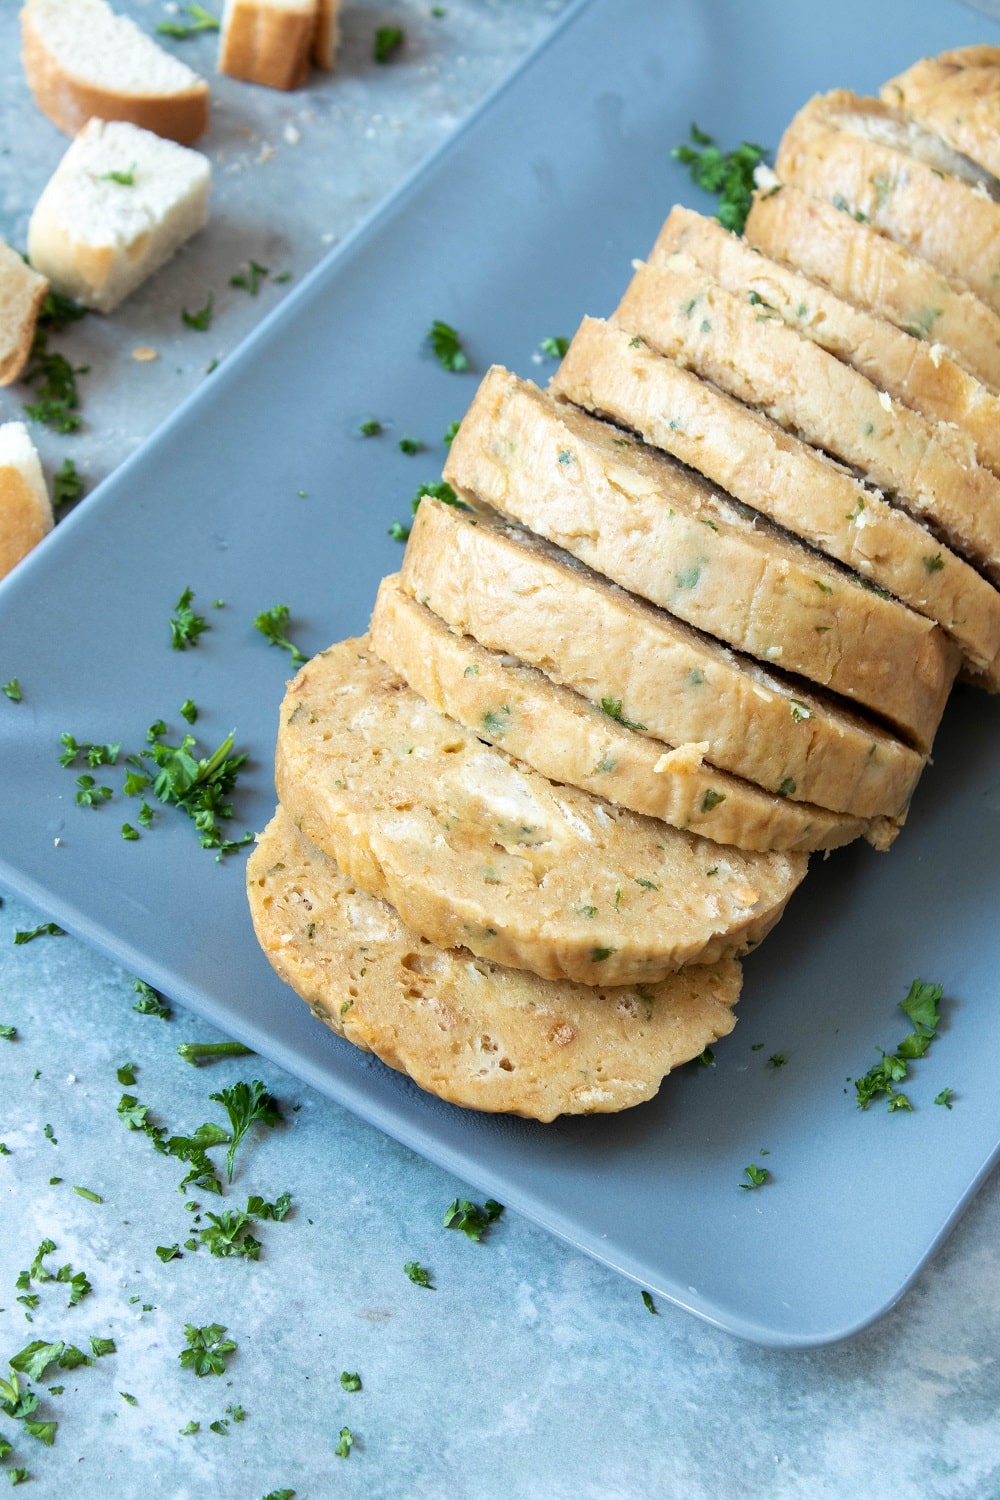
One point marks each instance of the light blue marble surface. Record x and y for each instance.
(530, 1372)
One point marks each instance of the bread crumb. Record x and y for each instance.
(292, 135)
(144, 353)
(885, 400)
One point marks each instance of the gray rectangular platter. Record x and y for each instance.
(527, 220)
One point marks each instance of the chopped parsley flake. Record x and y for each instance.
(349, 1382)
(200, 20)
(410, 445)
(45, 929)
(613, 708)
(185, 625)
(921, 1006)
(450, 433)
(207, 1349)
(200, 320)
(345, 1442)
(150, 1001)
(470, 1218)
(554, 348)
(124, 179)
(419, 1275)
(388, 41)
(370, 428)
(12, 690)
(90, 1196)
(67, 484)
(945, 1097)
(757, 1175)
(934, 563)
(648, 1303)
(447, 346)
(728, 174)
(250, 279)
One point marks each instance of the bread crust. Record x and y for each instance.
(758, 359)
(614, 374)
(261, 43)
(567, 739)
(936, 215)
(478, 851)
(874, 272)
(463, 1028)
(642, 520)
(22, 292)
(25, 508)
(918, 374)
(514, 592)
(70, 101)
(957, 95)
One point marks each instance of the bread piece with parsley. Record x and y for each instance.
(121, 202)
(755, 356)
(463, 1028)
(957, 96)
(22, 292)
(476, 850)
(874, 272)
(638, 517)
(920, 375)
(83, 61)
(875, 163)
(515, 592)
(25, 508)
(270, 41)
(614, 374)
(570, 740)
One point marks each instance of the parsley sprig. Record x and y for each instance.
(271, 624)
(728, 174)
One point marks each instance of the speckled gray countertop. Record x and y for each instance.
(529, 1371)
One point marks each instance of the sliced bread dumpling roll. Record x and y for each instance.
(874, 272)
(665, 533)
(615, 374)
(571, 740)
(920, 375)
(515, 592)
(476, 850)
(874, 163)
(464, 1028)
(755, 356)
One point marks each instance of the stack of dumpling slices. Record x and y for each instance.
(667, 627)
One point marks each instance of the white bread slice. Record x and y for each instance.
(859, 153)
(751, 353)
(25, 508)
(874, 272)
(475, 850)
(614, 374)
(22, 292)
(914, 372)
(463, 1028)
(97, 238)
(83, 61)
(568, 739)
(639, 518)
(956, 95)
(515, 592)
(269, 41)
